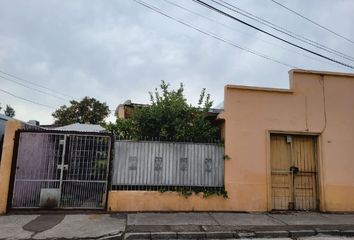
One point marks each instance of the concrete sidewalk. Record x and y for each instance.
(60, 226)
(174, 225)
(239, 225)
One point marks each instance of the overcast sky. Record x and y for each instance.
(116, 50)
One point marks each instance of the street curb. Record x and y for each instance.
(191, 235)
(302, 233)
(272, 234)
(245, 234)
(347, 233)
(236, 234)
(163, 235)
(143, 235)
(220, 235)
(118, 236)
(328, 232)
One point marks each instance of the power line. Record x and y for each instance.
(283, 30)
(37, 85)
(270, 34)
(158, 10)
(313, 22)
(233, 29)
(24, 85)
(25, 99)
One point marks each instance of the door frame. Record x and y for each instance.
(318, 151)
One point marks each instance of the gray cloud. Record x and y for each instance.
(118, 50)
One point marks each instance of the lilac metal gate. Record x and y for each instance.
(61, 170)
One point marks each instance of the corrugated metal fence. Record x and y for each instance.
(150, 163)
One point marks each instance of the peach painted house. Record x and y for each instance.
(291, 148)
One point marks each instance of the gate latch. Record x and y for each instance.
(65, 167)
(294, 169)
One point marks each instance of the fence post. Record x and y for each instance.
(6, 162)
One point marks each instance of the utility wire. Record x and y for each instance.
(25, 99)
(26, 86)
(313, 22)
(283, 30)
(270, 34)
(158, 10)
(37, 85)
(268, 42)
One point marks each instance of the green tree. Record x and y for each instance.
(170, 117)
(88, 110)
(9, 111)
(123, 128)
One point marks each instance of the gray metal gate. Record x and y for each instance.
(61, 170)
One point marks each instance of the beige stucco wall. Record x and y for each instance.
(6, 161)
(318, 103)
(132, 201)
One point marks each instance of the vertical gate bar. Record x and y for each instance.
(81, 144)
(310, 155)
(98, 160)
(94, 172)
(88, 148)
(298, 142)
(105, 188)
(292, 174)
(302, 176)
(88, 142)
(314, 173)
(75, 161)
(303, 183)
(308, 169)
(76, 158)
(284, 165)
(315, 170)
(61, 170)
(307, 178)
(308, 160)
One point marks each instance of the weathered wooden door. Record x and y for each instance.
(294, 172)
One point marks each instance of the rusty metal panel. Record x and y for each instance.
(153, 163)
(293, 172)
